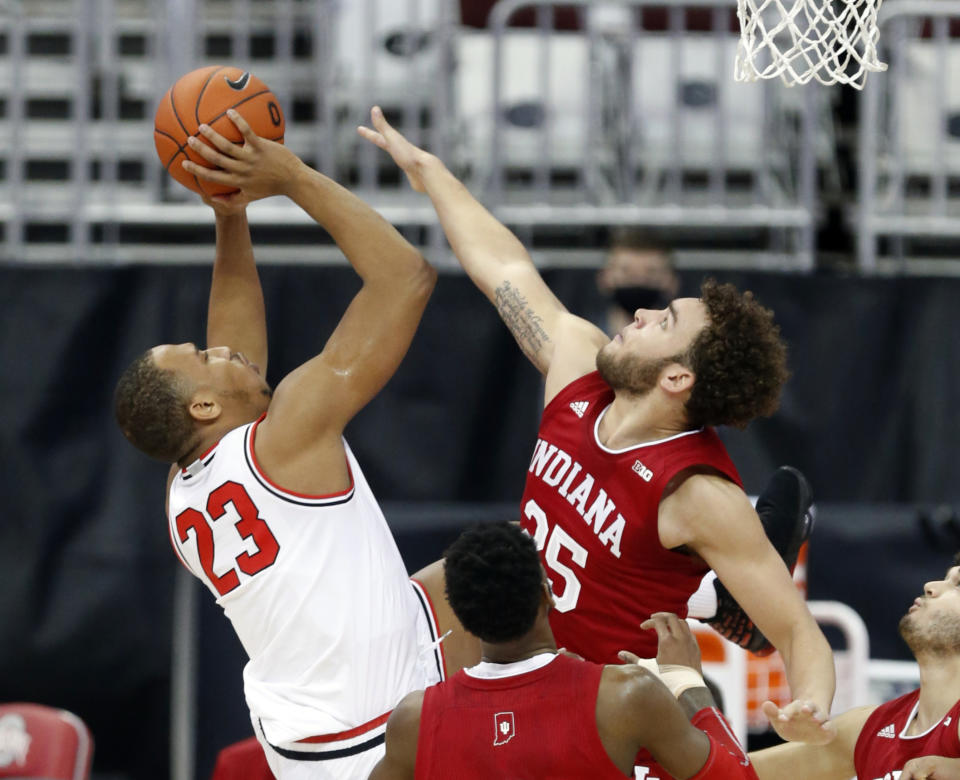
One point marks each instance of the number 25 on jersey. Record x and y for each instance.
(555, 541)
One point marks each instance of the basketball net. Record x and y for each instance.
(832, 41)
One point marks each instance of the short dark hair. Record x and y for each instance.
(150, 405)
(638, 240)
(739, 360)
(494, 581)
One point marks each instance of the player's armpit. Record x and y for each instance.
(833, 761)
(403, 731)
(574, 353)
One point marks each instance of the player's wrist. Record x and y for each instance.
(693, 700)
(680, 678)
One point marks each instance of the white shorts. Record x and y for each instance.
(356, 753)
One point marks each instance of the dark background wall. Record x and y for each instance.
(86, 574)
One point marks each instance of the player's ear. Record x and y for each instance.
(204, 406)
(677, 378)
(546, 595)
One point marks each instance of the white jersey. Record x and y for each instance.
(314, 586)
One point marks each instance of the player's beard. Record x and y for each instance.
(939, 637)
(631, 373)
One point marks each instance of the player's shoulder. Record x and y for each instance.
(404, 721)
(702, 485)
(850, 727)
(631, 686)
(632, 700)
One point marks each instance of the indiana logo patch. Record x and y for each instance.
(503, 728)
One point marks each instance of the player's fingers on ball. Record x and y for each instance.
(223, 144)
(243, 126)
(208, 174)
(209, 154)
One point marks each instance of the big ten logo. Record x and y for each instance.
(503, 728)
(645, 474)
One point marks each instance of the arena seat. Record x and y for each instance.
(242, 760)
(37, 741)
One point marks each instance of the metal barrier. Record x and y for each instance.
(80, 80)
(909, 166)
(620, 121)
(634, 118)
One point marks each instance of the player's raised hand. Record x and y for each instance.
(228, 205)
(801, 721)
(676, 644)
(407, 156)
(259, 167)
(931, 768)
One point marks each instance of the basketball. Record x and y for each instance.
(203, 96)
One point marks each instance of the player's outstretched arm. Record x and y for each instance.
(236, 316)
(931, 768)
(375, 331)
(833, 761)
(494, 259)
(403, 731)
(712, 516)
(258, 168)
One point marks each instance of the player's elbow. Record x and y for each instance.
(422, 279)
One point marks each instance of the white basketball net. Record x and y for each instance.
(832, 41)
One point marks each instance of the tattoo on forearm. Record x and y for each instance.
(524, 323)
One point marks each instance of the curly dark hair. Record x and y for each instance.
(739, 360)
(151, 410)
(494, 581)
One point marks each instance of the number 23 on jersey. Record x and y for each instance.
(249, 525)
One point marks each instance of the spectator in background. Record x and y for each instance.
(638, 274)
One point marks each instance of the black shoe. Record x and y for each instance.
(784, 510)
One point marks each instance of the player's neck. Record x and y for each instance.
(210, 435)
(538, 640)
(632, 419)
(939, 688)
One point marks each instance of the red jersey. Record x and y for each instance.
(883, 748)
(593, 514)
(529, 724)
(538, 719)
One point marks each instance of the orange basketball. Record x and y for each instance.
(203, 97)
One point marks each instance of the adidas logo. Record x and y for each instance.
(580, 407)
(888, 731)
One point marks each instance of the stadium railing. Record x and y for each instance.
(909, 147)
(611, 122)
